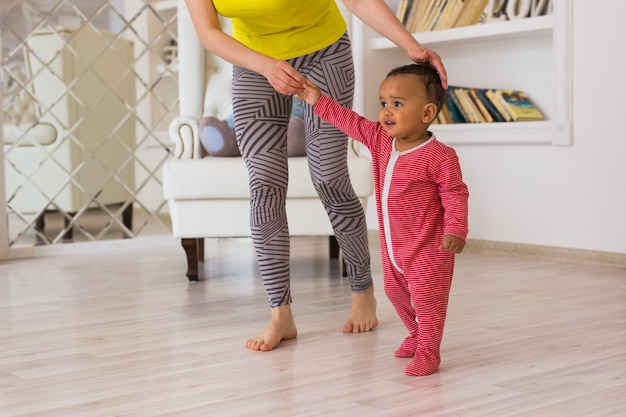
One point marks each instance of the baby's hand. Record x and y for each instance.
(452, 244)
(309, 93)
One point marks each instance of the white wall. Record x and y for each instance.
(574, 196)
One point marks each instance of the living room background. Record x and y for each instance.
(88, 91)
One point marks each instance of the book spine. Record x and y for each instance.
(470, 15)
(481, 93)
(480, 106)
(451, 92)
(444, 20)
(458, 9)
(519, 105)
(494, 100)
(467, 105)
(447, 116)
(456, 110)
(503, 104)
(422, 18)
(412, 14)
(439, 9)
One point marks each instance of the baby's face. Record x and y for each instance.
(402, 100)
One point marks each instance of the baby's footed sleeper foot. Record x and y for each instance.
(424, 363)
(407, 348)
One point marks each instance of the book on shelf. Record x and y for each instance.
(456, 116)
(402, 13)
(455, 12)
(445, 14)
(401, 10)
(490, 94)
(445, 114)
(471, 12)
(454, 100)
(430, 15)
(518, 105)
(445, 18)
(420, 13)
(467, 104)
(495, 114)
(486, 105)
(469, 107)
(440, 119)
(433, 15)
(407, 12)
(412, 15)
(482, 109)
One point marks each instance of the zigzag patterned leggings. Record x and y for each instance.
(261, 118)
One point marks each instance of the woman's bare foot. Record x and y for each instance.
(363, 315)
(281, 327)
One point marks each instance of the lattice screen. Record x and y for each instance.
(90, 87)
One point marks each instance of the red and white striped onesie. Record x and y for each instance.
(420, 196)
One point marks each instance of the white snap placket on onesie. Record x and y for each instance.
(395, 155)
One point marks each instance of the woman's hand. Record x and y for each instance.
(283, 77)
(422, 54)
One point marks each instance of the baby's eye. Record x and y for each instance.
(383, 104)
(397, 104)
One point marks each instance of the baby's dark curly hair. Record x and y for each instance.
(430, 78)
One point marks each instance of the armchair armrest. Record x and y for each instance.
(357, 149)
(185, 135)
(37, 134)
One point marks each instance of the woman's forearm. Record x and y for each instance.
(207, 25)
(377, 15)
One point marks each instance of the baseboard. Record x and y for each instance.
(548, 253)
(77, 248)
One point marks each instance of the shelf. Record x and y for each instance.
(505, 133)
(542, 25)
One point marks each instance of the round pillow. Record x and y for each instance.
(217, 138)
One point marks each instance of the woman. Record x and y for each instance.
(275, 46)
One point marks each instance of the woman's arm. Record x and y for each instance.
(377, 15)
(282, 76)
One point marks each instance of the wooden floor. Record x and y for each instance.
(123, 334)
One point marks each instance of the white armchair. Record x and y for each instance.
(209, 196)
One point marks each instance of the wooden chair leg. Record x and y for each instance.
(200, 243)
(194, 250)
(68, 226)
(40, 223)
(127, 217)
(40, 226)
(334, 252)
(333, 247)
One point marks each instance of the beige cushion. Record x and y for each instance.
(227, 178)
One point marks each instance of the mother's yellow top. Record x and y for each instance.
(284, 29)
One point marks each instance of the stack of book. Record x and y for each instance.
(483, 105)
(428, 15)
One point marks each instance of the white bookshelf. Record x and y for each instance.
(531, 54)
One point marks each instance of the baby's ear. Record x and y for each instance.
(429, 113)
